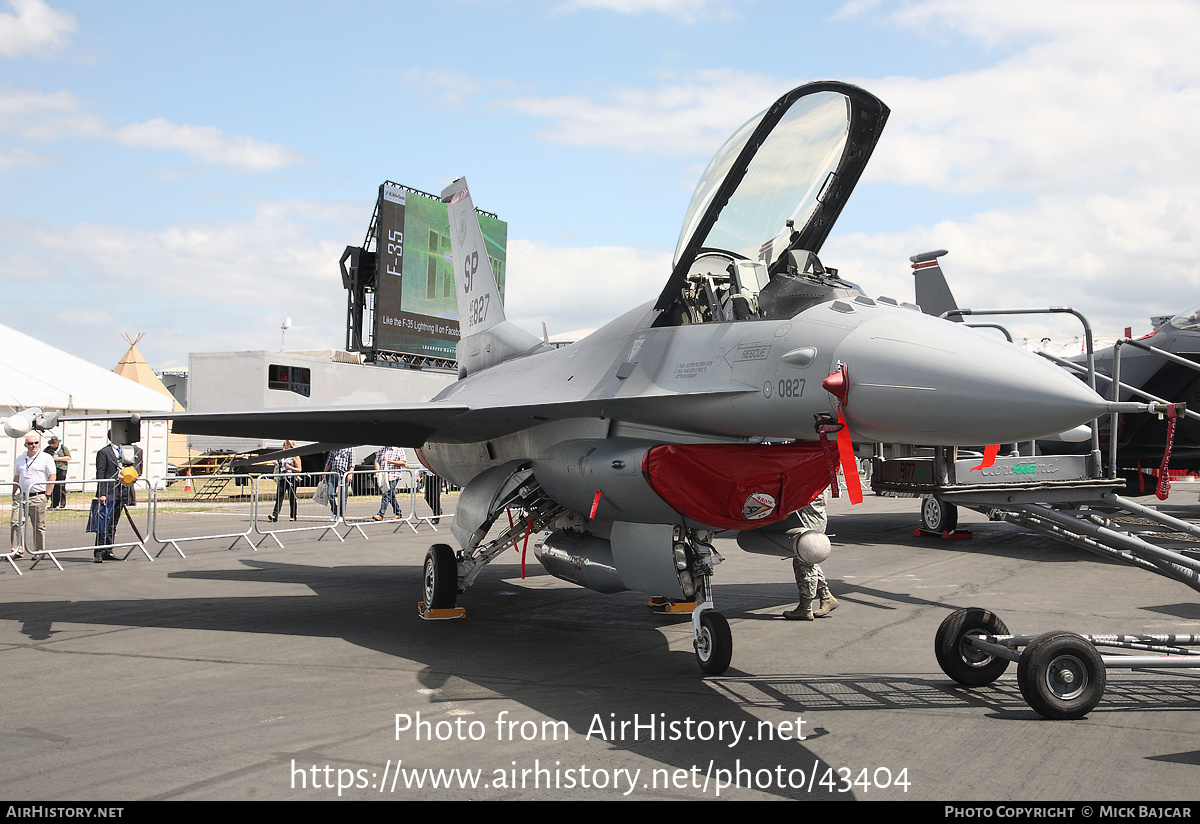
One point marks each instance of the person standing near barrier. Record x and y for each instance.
(112, 494)
(35, 473)
(339, 462)
(286, 470)
(389, 461)
(62, 456)
(433, 490)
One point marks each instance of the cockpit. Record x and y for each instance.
(1188, 321)
(765, 205)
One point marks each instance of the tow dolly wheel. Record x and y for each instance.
(1061, 675)
(714, 646)
(441, 577)
(937, 515)
(960, 660)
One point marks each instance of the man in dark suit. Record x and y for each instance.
(112, 494)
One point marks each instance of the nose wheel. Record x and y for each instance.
(938, 516)
(713, 642)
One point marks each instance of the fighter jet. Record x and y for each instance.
(712, 410)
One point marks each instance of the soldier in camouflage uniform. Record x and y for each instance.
(810, 580)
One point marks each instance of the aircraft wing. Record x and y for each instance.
(393, 424)
(412, 424)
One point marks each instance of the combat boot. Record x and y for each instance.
(802, 612)
(828, 603)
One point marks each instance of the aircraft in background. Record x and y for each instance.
(709, 410)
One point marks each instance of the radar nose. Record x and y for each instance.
(911, 378)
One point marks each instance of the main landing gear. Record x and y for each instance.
(440, 578)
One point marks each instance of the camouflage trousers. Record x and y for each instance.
(809, 578)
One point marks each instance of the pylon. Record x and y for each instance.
(187, 481)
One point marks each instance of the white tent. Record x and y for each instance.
(33, 373)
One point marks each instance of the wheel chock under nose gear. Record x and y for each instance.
(948, 535)
(440, 614)
(666, 606)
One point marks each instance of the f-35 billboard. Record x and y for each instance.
(416, 311)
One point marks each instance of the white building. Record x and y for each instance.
(34, 374)
(281, 380)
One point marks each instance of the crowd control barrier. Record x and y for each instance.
(368, 491)
(309, 513)
(76, 527)
(427, 505)
(223, 508)
(16, 521)
(235, 507)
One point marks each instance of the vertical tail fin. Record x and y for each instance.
(486, 337)
(933, 294)
(479, 305)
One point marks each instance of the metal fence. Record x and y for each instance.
(76, 528)
(211, 509)
(250, 508)
(309, 513)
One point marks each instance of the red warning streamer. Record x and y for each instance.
(849, 466)
(1164, 481)
(989, 456)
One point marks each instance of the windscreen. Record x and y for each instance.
(783, 181)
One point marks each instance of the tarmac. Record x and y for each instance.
(305, 673)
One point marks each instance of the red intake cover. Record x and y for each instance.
(737, 486)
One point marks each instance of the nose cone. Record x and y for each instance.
(922, 380)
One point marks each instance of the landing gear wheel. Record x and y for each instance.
(1061, 675)
(714, 647)
(960, 660)
(937, 515)
(441, 577)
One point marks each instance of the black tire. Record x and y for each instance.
(714, 648)
(440, 578)
(964, 663)
(1061, 675)
(937, 515)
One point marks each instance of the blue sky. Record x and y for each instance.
(193, 171)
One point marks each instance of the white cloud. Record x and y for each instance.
(209, 145)
(20, 157)
(48, 116)
(680, 117)
(687, 11)
(581, 287)
(1095, 95)
(1089, 119)
(34, 29)
(451, 88)
(1119, 260)
(192, 287)
(45, 117)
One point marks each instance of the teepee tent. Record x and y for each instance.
(134, 367)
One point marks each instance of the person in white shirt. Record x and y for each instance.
(388, 463)
(35, 472)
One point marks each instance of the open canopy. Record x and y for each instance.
(781, 181)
